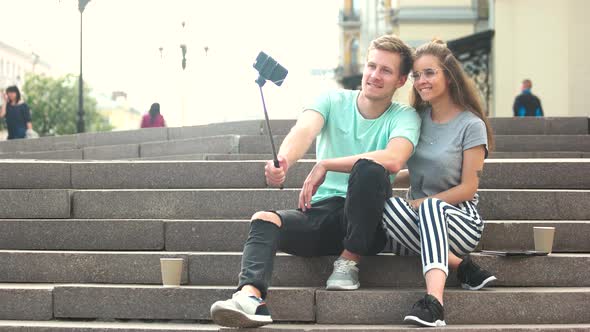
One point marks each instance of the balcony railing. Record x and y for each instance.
(349, 18)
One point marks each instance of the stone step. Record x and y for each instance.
(26, 302)
(39, 144)
(71, 154)
(39, 203)
(509, 143)
(493, 155)
(81, 234)
(247, 156)
(504, 143)
(214, 144)
(157, 302)
(492, 306)
(538, 155)
(248, 127)
(196, 156)
(111, 152)
(85, 267)
(149, 326)
(27, 148)
(406, 328)
(35, 174)
(79, 141)
(129, 153)
(98, 326)
(502, 174)
(130, 137)
(498, 174)
(230, 235)
(259, 144)
(570, 236)
(540, 126)
(495, 204)
(368, 306)
(501, 126)
(385, 270)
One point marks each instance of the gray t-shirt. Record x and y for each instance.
(438, 160)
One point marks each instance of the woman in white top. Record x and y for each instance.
(439, 219)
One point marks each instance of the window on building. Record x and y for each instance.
(354, 54)
(355, 7)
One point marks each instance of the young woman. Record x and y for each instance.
(17, 113)
(153, 118)
(439, 220)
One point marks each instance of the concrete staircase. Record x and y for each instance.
(80, 241)
(516, 138)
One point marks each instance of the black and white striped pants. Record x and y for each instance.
(433, 230)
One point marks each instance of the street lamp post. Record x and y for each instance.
(81, 127)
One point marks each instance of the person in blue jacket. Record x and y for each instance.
(526, 103)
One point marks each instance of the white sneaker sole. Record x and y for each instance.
(224, 315)
(480, 286)
(342, 287)
(417, 321)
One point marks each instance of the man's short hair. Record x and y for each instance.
(528, 83)
(393, 43)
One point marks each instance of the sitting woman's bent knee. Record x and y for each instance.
(431, 201)
(268, 217)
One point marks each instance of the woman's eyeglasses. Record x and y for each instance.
(428, 73)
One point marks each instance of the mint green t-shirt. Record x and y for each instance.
(346, 132)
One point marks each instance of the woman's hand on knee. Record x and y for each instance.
(415, 203)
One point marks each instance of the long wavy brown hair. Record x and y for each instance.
(461, 87)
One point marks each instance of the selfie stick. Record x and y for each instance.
(269, 69)
(260, 81)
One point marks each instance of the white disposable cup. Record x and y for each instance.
(544, 238)
(171, 271)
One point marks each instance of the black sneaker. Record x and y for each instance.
(427, 312)
(472, 276)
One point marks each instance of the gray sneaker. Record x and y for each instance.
(242, 310)
(345, 275)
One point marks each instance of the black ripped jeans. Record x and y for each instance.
(327, 228)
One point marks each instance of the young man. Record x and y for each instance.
(362, 138)
(526, 103)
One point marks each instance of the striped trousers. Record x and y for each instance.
(433, 230)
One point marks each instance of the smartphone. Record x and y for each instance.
(270, 69)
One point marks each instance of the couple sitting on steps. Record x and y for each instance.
(346, 206)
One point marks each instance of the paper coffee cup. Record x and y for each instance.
(171, 271)
(544, 238)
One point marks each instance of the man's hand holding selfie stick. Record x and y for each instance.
(276, 174)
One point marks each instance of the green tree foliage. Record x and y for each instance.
(54, 105)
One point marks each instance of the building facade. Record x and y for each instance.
(542, 40)
(117, 111)
(416, 21)
(14, 64)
